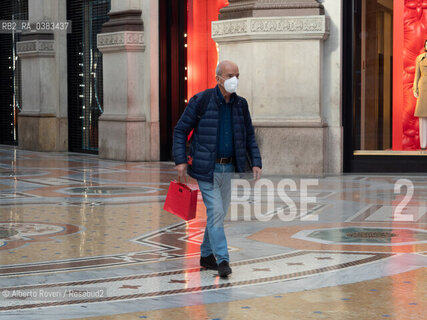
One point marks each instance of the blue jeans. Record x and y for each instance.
(216, 196)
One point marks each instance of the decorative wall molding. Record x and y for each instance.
(127, 20)
(271, 28)
(35, 48)
(122, 118)
(27, 36)
(37, 114)
(264, 8)
(121, 41)
(288, 123)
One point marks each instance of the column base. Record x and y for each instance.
(295, 148)
(124, 139)
(42, 133)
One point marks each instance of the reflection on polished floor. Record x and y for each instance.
(84, 238)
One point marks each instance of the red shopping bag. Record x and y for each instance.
(181, 200)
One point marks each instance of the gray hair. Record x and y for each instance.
(218, 69)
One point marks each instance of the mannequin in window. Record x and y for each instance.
(420, 92)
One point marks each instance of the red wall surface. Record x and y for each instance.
(410, 32)
(202, 55)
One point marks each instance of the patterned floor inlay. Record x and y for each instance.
(365, 235)
(4, 173)
(54, 181)
(283, 267)
(16, 234)
(15, 195)
(397, 297)
(381, 213)
(399, 237)
(75, 221)
(176, 241)
(105, 231)
(108, 190)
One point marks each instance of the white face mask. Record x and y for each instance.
(230, 85)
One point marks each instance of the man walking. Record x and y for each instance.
(223, 137)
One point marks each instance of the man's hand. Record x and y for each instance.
(257, 172)
(182, 170)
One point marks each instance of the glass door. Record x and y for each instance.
(10, 72)
(85, 95)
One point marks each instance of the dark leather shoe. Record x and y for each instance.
(209, 262)
(224, 269)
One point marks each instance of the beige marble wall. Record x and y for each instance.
(292, 149)
(280, 60)
(124, 140)
(42, 123)
(331, 86)
(43, 133)
(122, 5)
(123, 97)
(150, 16)
(129, 126)
(280, 80)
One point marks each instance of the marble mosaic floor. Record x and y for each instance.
(84, 238)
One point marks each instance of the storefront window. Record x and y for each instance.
(10, 72)
(188, 59)
(202, 55)
(373, 110)
(389, 38)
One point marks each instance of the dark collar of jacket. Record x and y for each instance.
(219, 98)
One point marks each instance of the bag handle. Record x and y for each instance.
(185, 180)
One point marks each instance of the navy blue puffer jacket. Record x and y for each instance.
(203, 146)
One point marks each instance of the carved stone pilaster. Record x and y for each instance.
(278, 46)
(277, 28)
(35, 48)
(43, 123)
(270, 8)
(121, 41)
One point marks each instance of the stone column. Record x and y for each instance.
(270, 8)
(124, 129)
(42, 123)
(278, 46)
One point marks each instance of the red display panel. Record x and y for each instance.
(410, 32)
(202, 54)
